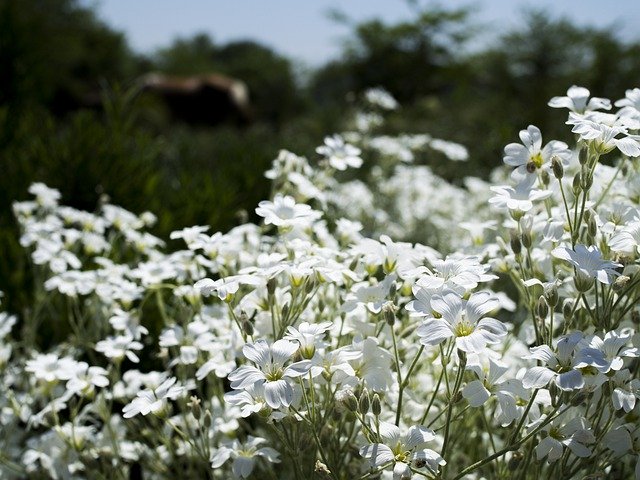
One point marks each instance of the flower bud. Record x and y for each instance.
(526, 240)
(592, 226)
(586, 181)
(389, 312)
(350, 401)
(207, 419)
(567, 309)
(544, 177)
(376, 407)
(364, 402)
(556, 166)
(583, 156)
(577, 184)
(272, 283)
(542, 308)
(551, 294)
(196, 411)
(516, 245)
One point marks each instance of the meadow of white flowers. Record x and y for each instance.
(322, 344)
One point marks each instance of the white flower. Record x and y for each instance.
(341, 155)
(627, 240)
(152, 400)
(588, 261)
(371, 296)
(51, 368)
(86, 378)
(244, 455)
(603, 137)
(403, 451)
(577, 100)
(379, 97)
(561, 365)
(225, 287)
(575, 434)
(270, 370)
(529, 156)
(519, 198)
(285, 213)
(118, 347)
(463, 320)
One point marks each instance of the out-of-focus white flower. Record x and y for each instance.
(244, 455)
(520, 198)
(153, 400)
(340, 155)
(379, 97)
(285, 213)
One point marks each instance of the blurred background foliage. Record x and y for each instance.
(72, 115)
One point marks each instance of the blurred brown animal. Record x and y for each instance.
(208, 99)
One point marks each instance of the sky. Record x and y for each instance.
(303, 31)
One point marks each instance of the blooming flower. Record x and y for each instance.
(577, 100)
(403, 451)
(529, 156)
(589, 262)
(574, 434)
(519, 198)
(244, 455)
(463, 320)
(152, 400)
(561, 365)
(270, 370)
(285, 213)
(341, 155)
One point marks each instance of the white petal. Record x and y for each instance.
(475, 393)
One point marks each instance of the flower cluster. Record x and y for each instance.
(323, 343)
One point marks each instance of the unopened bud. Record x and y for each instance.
(350, 401)
(309, 286)
(583, 156)
(586, 181)
(247, 327)
(544, 177)
(551, 294)
(516, 245)
(526, 240)
(207, 419)
(542, 308)
(364, 402)
(577, 183)
(592, 226)
(389, 312)
(272, 283)
(567, 309)
(376, 407)
(556, 166)
(196, 411)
